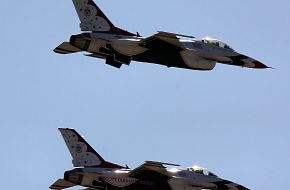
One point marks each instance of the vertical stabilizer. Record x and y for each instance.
(93, 19)
(82, 153)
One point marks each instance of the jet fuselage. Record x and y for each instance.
(167, 50)
(102, 39)
(119, 179)
(92, 171)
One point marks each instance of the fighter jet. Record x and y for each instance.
(101, 39)
(94, 173)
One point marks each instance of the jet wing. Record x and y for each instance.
(163, 40)
(66, 48)
(150, 167)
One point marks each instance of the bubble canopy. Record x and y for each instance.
(201, 170)
(216, 42)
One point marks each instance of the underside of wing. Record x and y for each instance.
(66, 48)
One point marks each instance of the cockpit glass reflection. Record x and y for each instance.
(201, 171)
(217, 43)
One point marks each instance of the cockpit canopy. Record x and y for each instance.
(201, 171)
(216, 42)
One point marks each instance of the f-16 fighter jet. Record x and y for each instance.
(93, 172)
(104, 40)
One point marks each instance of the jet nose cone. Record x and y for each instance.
(240, 187)
(260, 65)
(252, 63)
(245, 61)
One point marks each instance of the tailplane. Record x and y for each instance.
(82, 153)
(61, 184)
(66, 48)
(93, 19)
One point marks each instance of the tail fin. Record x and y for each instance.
(82, 153)
(93, 19)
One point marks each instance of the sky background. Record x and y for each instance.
(231, 120)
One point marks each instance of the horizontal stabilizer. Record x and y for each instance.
(66, 48)
(61, 184)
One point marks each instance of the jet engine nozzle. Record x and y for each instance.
(73, 177)
(80, 42)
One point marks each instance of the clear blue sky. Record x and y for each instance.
(231, 120)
